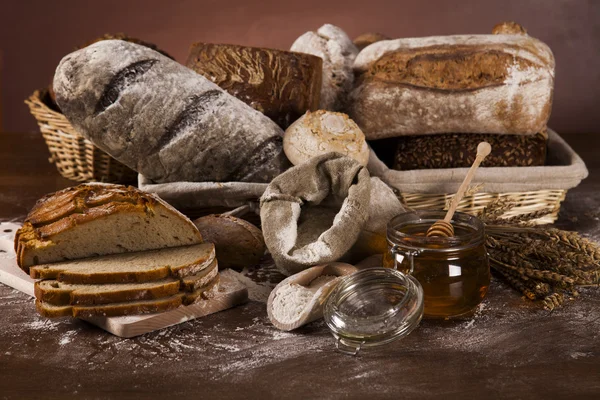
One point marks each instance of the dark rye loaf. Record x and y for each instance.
(282, 85)
(164, 120)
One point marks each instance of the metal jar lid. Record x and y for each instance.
(373, 307)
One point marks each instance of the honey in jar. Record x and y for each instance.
(454, 271)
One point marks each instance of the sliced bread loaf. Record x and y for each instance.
(152, 265)
(60, 293)
(128, 307)
(95, 219)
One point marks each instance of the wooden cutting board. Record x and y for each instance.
(231, 293)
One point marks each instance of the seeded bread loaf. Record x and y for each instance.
(97, 219)
(338, 53)
(282, 85)
(321, 132)
(238, 243)
(163, 119)
(128, 307)
(457, 150)
(499, 83)
(144, 266)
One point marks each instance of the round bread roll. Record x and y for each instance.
(321, 132)
(238, 243)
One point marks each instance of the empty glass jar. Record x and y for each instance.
(454, 272)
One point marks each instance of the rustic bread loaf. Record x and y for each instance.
(97, 219)
(164, 120)
(282, 85)
(144, 266)
(323, 132)
(457, 150)
(110, 36)
(238, 243)
(338, 53)
(365, 39)
(128, 307)
(467, 83)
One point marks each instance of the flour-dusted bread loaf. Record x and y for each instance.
(282, 85)
(96, 219)
(163, 119)
(338, 53)
(132, 267)
(500, 83)
(322, 132)
(238, 243)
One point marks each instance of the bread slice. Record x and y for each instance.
(110, 310)
(95, 219)
(62, 294)
(194, 282)
(130, 307)
(137, 267)
(58, 293)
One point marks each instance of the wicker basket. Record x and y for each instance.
(75, 157)
(527, 202)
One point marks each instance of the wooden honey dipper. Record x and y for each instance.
(443, 227)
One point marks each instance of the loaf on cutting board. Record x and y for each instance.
(338, 53)
(501, 83)
(164, 120)
(282, 85)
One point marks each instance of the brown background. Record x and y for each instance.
(34, 35)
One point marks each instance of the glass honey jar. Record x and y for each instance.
(453, 271)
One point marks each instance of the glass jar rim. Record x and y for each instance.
(453, 243)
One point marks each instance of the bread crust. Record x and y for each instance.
(282, 85)
(238, 243)
(499, 83)
(73, 207)
(90, 276)
(77, 294)
(129, 308)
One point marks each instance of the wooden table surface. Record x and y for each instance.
(510, 349)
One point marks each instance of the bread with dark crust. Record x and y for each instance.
(283, 85)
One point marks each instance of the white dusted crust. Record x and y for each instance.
(321, 132)
(515, 98)
(523, 46)
(338, 53)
